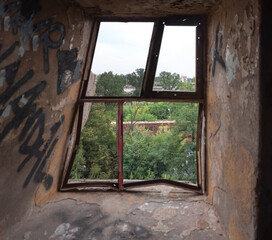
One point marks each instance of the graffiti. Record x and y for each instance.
(48, 43)
(218, 51)
(8, 52)
(22, 111)
(22, 19)
(68, 69)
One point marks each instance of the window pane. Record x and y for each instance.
(120, 57)
(177, 61)
(160, 141)
(96, 156)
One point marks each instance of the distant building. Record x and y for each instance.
(183, 78)
(129, 89)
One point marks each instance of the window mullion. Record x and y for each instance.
(120, 143)
(152, 59)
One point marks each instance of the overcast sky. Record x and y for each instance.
(123, 47)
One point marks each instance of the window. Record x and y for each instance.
(141, 122)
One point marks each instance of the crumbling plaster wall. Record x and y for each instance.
(42, 52)
(233, 114)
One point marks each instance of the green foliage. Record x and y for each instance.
(169, 81)
(135, 79)
(79, 166)
(109, 84)
(160, 109)
(137, 111)
(187, 86)
(98, 141)
(170, 154)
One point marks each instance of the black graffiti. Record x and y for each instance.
(22, 19)
(11, 71)
(42, 25)
(5, 96)
(49, 43)
(218, 52)
(68, 69)
(23, 109)
(29, 8)
(8, 52)
(32, 151)
(8, 7)
(40, 149)
(21, 113)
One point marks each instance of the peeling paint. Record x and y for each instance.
(232, 116)
(60, 106)
(21, 51)
(232, 64)
(6, 23)
(35, 42)
(7, 111)
(71, 42)
(23, 100)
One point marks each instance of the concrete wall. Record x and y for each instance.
(233, 114)
(42, 50)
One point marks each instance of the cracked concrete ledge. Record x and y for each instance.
(135, 215)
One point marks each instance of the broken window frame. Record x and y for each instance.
(147, 94)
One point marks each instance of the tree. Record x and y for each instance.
(169, 81)
(138, 111)
(97, 148)
(109, 84)
(186, 115)
(135, 79)
(160, 109)
(79, 165)
(188, 86)
(168, 154)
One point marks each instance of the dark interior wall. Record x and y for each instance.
(264, 186)
(42, 51)
(233, 114)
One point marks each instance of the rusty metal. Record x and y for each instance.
(82, 90)
(152, 59)
(139, 99)
(198, 145)
(146, 95)
(153, 56)
(120, 186)
(203, 151)
(120, 143)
